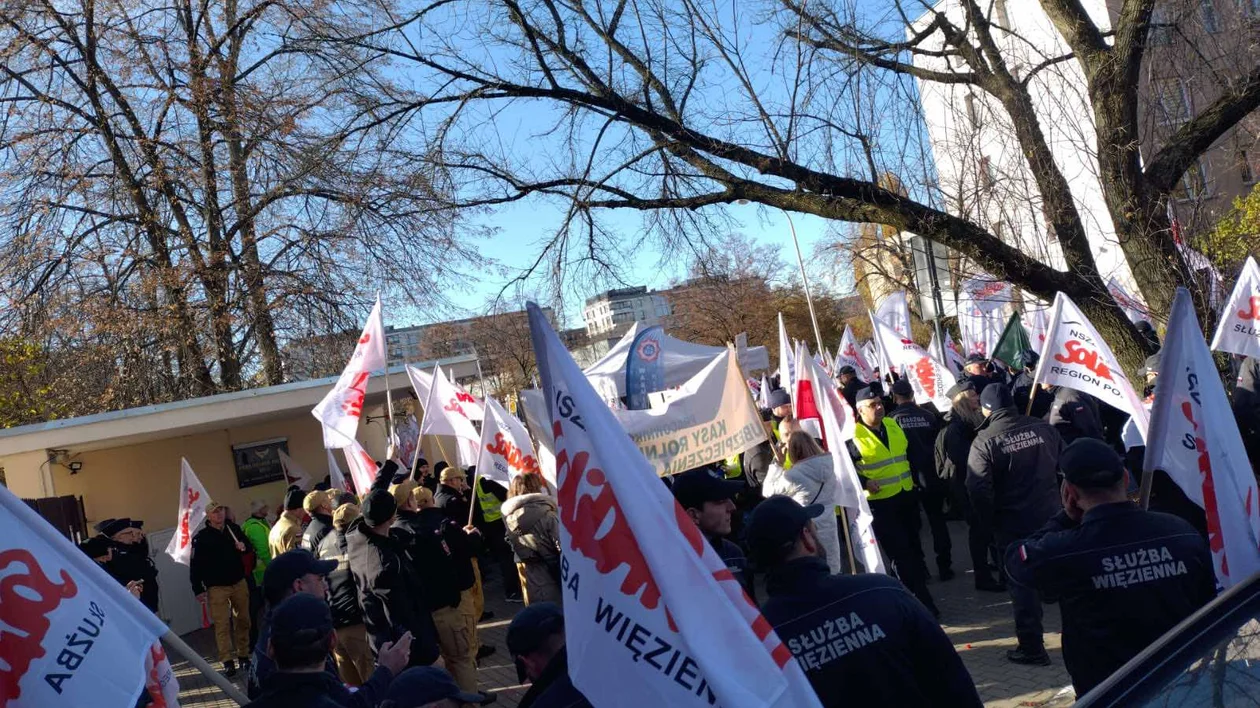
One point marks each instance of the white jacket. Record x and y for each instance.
(811, 481)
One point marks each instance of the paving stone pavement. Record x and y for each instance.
(980, 625)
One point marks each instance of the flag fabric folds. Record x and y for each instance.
(929, 378)
(192, 511)
(1195, 440)
(850, 354)
(72, 635)
(294, 474)
(340, 410)
(896, 312)
(1239, 329)
(445, 414)
(336, 478)
(362, 467)
(506, 450)
(637, 572)
(1013, 342)
(421, 380)
(787, 357)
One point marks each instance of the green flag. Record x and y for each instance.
(1013, 342)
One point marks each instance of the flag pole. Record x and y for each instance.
(481, 444)
(1051, 333)
(178, 645)
(415, 457)
(389, 393)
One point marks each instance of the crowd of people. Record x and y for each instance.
(383, 593)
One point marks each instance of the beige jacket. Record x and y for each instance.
(533, 529)
(284, 536)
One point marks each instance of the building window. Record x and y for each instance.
(1207, 12)
(1244, 167)
(1000, 16)
(1160, 30)
(1192, 184)
(972, 114)
(1174, 101)
(986, 173)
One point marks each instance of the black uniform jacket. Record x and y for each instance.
(1012, 474)
(391, 593)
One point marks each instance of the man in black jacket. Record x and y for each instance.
(1022, 388)
(862, 640)
(130, 561)
(535, 639)
(850, 384)
(291, 572)
(921, 428)
(1074, 414)
(707, 498)
(391, 592)
(352, 653)
(1122, 576)
(1012, 481)
(301, 636)
(442, 553)
(217, 572)
(318, 504)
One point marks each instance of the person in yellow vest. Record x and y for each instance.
(879, 449)
(488, 517)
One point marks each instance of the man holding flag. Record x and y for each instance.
(218, 579)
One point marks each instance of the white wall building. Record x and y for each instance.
(982, 173)
(611, 313)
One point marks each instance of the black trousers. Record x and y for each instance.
(1025, 601)
(933, 500)
(897, 529)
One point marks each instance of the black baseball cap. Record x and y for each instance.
(1028, 358)
(962, 386)
(422, 685)
(378, 507)
(779, 397)
(902, 387)
(976, 359)
(293, 498)
(848, 369)
(1091, 463)
(532, 626)
(95, 547)
(288, 567)
(775, 523)
(300, 620)
(704, 484)
(109, 527)
(995, 396)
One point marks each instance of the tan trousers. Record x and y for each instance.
(479, 598)
(457, 642)
(229, 610)
(353, 655)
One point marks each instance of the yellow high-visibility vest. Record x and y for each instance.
(491, 507)
(886, 465)
(734, 466)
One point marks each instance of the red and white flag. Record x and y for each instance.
(192, 511)
(505, 447)
(336, 478)
(362, 467)
(637, 573)
(817, 401)
(1077, 357)
(929, 378)
(1036, 320)
(1195, 439)
(340, 410)
(1132, 305)
(896, 312)
(71, 635)
(160, 679)
(952, 356)
(445, 414)
(1239, 328)
(294, 474)
(421, 380)
(850, 354)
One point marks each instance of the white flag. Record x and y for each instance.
(850, 354)
(1036, 320)
(336, 478)
(294, 474)
(1077, 357)
(72, 635)
(633, 559)
(929, 378)
(763, 396)
(505, 447)
(816, 399)
(445, 414)
(871, 352)
(896, 313)
(787, 357)
(421, 380)
(1132, 305)
(1194, 438)
(340, 410)
(1239, 329)
(362, 467)
(192, 511)
(949, 351)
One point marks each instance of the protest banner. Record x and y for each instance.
(1195, 440)
(850, 354)
(645, 367)
(1077, 357)
(505, 450)
(708, 419)
(445, 414)
(894, 310)
(929, 378)
(980, 318)
(652, 616)
(421, 380)
(1239, 329)
(72, 635)
(192, 512)
(339, 411)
